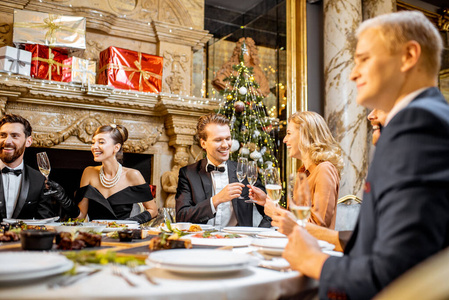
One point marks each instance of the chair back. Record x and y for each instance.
(348, 208)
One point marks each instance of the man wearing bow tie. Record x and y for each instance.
(21, 187)
(208, 189)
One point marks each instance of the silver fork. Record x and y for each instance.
(132, 265)
(118, 272)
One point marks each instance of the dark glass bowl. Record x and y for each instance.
(37, 239)
(125, 235)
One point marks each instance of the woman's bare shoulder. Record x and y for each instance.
(133, 176)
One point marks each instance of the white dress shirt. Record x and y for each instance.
(11, 187)
(224, 214)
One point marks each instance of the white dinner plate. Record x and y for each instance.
(271, 234)
(234, 242)
(32, 221)
(246, 230)
(28, 265)
(85, 227)
(200, 261)
(116, 221)
(275, 246)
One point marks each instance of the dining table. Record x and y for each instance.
(267, 277)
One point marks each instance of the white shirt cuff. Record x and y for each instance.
(212, 206)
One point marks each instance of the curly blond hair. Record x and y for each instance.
(315, 139)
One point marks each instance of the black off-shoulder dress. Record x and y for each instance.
(118, 206)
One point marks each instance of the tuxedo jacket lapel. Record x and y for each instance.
(206, 179)
(23, 193)
(2, 199)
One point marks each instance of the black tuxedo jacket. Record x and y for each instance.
(195, 190)
(32, 203)
(404, 217)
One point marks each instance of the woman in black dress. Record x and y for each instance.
(109, 191)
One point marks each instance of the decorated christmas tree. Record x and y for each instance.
(250, 125)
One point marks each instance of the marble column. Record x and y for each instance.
(346, 119)
(372, 8)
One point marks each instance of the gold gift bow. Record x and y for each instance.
(51, 26)
(145, 74)
(50, 61)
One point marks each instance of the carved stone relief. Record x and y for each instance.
(177, 66)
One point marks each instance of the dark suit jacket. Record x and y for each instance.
(404, 217)
(194, 192)
(32, 203)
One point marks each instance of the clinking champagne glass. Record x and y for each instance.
(273, 184)
(251, 175)
(301, 204)
(242, 167)
(44, 167)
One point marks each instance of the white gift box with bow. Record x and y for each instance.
(15, 60)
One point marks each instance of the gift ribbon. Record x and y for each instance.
(142, 73)
(51, 62)
(51, 26)
(15, 62)
(84, 70)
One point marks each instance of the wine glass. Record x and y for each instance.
(44, 167)
(273, 184)
(242, 166)
(251, 175)
(301, 204)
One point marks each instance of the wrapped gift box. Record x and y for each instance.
(32, 27)
(47, 63)
(130, 70)
(15, 60)
(80, 70)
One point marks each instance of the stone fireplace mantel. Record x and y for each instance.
(64, 116)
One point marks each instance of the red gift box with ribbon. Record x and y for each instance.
(130, 70)
(46, 62)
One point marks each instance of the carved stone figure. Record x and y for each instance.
(247, 47)
(169, 179)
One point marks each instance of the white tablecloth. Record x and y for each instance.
(252, 283)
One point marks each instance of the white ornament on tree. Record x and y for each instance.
(255, 155)
(235, 145)
(269, 164)
(263, 150)
(244, 151)
(256, 133)
(243, 90)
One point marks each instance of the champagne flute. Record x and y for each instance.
(301, 204)
(251, 175)
(273, 184)
(44, 167)
(242, 166)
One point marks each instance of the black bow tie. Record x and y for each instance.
(8, 170)
(211, 168)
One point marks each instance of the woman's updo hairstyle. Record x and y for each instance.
(119, 135)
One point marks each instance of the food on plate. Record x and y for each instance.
(111, 224)
(81, 240)
(215, 235)
(166, 241)
(74, 222)
(138, 234)
(195, 228)
(9, 236)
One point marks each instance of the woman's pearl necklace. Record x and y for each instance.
(108, 183)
